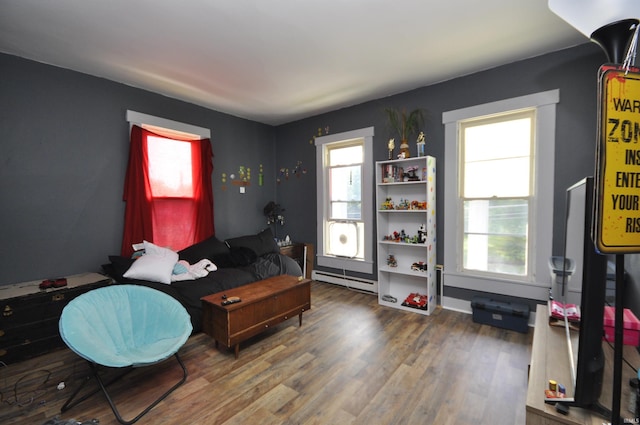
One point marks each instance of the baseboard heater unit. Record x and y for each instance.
(348, 281)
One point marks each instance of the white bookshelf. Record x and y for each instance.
(420, 196)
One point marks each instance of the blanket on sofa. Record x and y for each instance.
(238, 261)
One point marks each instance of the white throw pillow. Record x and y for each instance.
(155, 265)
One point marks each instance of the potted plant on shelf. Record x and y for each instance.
(405, 124)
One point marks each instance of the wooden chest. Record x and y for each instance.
(29, 316)
(263, 304)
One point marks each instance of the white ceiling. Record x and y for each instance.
(276, 61)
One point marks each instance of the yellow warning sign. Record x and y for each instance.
(617, 223)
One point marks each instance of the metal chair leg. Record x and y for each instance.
(103, 386)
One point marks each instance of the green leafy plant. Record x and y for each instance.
(405, 124)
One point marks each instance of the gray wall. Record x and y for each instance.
(64, 151)
(573, 71)
(64, 140)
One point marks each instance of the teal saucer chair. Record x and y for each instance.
(124, 327)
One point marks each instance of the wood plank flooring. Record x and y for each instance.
(351, 362)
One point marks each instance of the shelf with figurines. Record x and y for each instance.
(418, 268)
(403, 206)
(402, 238)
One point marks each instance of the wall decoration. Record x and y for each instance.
(284, 172)
(224, 181)
(313, 138)
(297, 171)
(244, 177)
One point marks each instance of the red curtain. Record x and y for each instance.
(174, 222)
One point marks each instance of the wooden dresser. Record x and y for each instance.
(29, 315)
(263, 304)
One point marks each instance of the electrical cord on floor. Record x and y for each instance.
(29, 396)
(344, 275)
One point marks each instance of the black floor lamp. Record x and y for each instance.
(612, 25)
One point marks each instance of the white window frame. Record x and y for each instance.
(168, 127)
(322, 185)
(537, 285)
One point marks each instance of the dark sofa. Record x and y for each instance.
(239, 261)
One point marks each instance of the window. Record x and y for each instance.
(168, 186)
(499, 166)
(172, 190)
(345, 228)
(345, 177)
(496, 210)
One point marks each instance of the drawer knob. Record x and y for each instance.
(266, 326)
(285, 317)
(57, 297)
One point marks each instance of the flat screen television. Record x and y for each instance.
(585, 286)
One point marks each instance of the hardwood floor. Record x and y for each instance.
(351, 362)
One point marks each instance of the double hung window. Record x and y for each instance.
(344, 224)
(496, 232)
(345, 177)
(499, 174)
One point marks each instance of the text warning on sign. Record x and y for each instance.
(617, 223)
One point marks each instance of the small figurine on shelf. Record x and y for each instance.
(403, 205)
(390, 147)
(422, 234)
(391, 261)
(395, 237)
(415, 205)
(416, 300)
(420, 144)
(387, 204)
(404, 149)
(410, 174)
(419, 266)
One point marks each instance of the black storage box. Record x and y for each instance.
(501, 314)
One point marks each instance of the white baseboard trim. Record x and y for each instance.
(348, 281)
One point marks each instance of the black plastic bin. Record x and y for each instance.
(507, 315)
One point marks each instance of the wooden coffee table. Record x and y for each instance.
(263, 304)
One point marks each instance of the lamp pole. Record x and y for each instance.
(614, 39)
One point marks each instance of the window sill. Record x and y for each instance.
(353, 265)
(530, 290)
